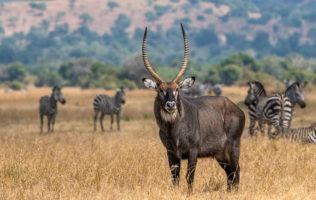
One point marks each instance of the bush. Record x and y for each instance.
(14, 85)
(229, 74)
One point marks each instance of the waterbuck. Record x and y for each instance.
(195, 127)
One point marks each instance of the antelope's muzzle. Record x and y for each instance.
(170, 106)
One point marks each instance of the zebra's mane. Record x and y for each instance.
(292, 87)
(259, 88)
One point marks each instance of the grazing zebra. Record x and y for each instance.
(48, 107)
(301, 134)
(108, 106)
(255, 90)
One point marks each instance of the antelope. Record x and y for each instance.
(195, 127)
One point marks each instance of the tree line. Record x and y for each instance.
(89, 73)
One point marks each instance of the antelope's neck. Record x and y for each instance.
(165, 119)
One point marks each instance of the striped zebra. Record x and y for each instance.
(274, 110)
(107, 105)
(295, 92)
(255, 91)
(301, 134)
(48, 107)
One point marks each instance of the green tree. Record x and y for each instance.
(85, 19)
(112, 5)
(48, 78)
(213, 76)
(16, 72)
(229, 74)
(243, 60)
(38, 6)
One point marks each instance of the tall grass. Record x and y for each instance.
(77, 163)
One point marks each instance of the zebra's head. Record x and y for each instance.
(295, 92)
(120, 96)
(58, 96)
(255, 90)
(167, 92)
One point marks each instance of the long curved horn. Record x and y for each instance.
(146, 60)
(185, 57)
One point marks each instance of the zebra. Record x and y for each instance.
(217, 89)
(199, 89)
(107, 105)
(275, 110)
(301, 134)
(255, 90)
(48, 107)
(295, 92)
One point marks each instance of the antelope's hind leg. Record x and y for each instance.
(230, 163)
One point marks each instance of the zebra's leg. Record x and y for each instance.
(95, 119)
(261, 125)
(49, 119)
(118, 116)
(252, 127)
(41, 122)
(101, 121)
(111, 127)
(53, 123)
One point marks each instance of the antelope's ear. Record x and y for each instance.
(187, 83)
(148, 83)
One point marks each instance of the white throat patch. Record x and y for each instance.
(168, 117)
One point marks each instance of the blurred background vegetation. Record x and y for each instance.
(97, 43)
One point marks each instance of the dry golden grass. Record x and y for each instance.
(77, 163)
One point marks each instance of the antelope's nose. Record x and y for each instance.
(171, 105)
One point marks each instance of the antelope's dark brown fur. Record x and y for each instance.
(196, 127)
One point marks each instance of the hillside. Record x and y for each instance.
(216, 27)
(225, 16)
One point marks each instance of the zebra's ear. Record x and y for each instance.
(304, 84)
(187, 83)
(148, 83)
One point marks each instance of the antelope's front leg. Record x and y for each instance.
(174, 164)
(192, 161)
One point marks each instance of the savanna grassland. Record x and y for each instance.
(77, 163)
